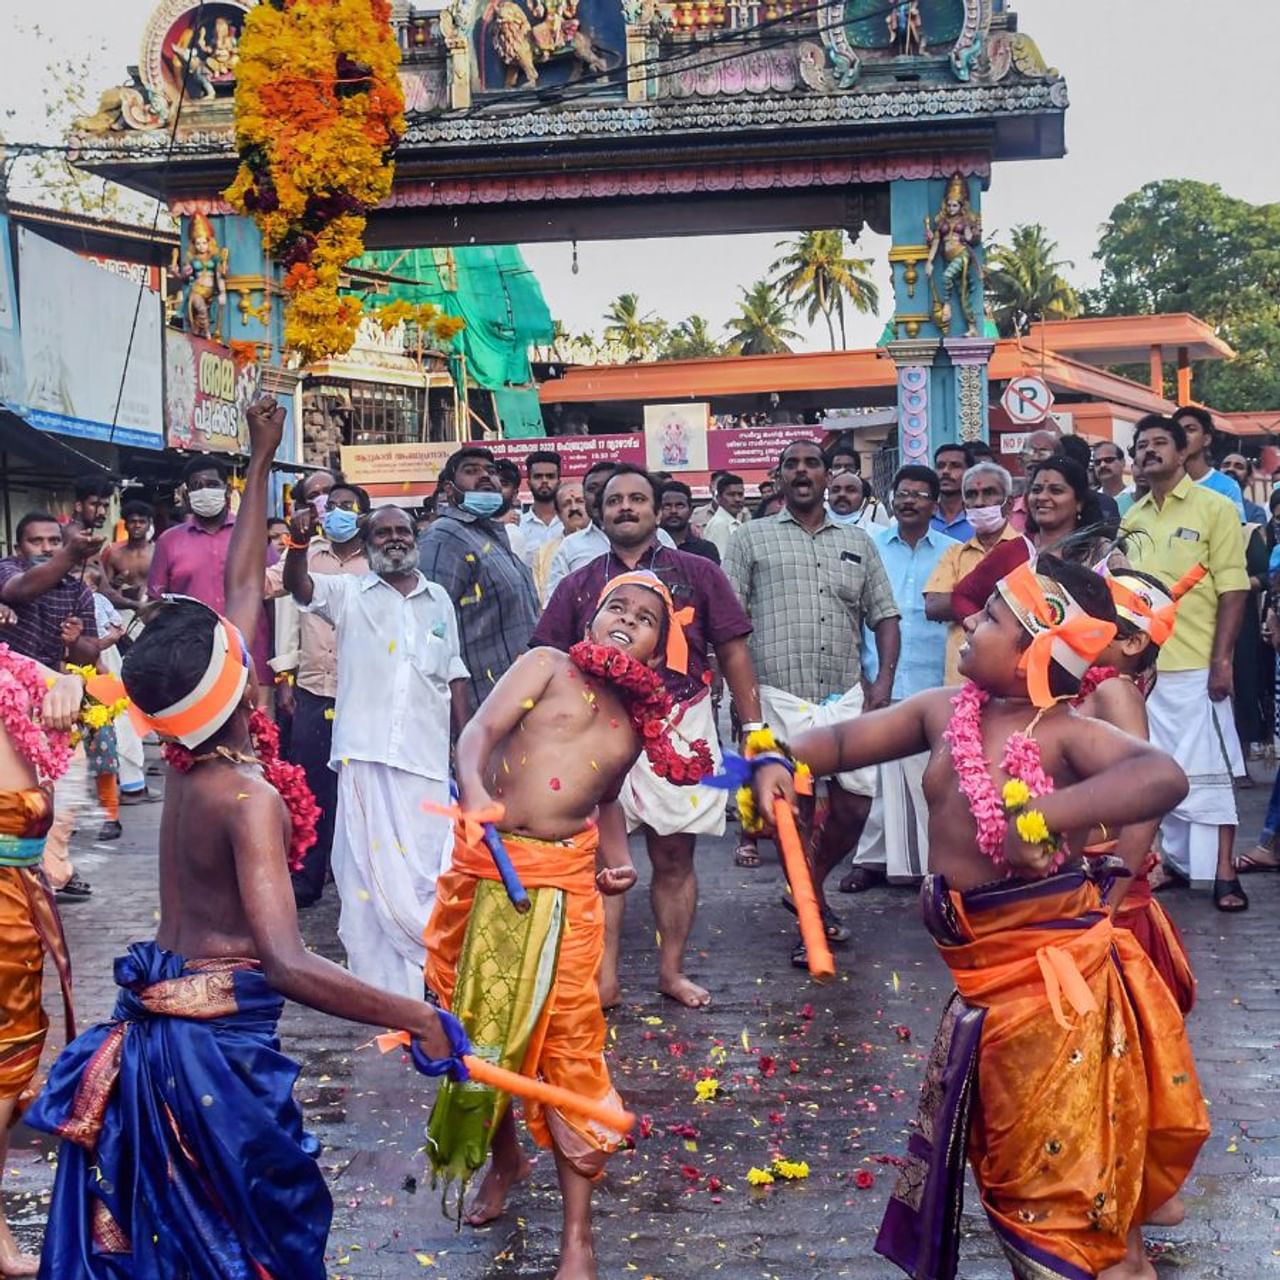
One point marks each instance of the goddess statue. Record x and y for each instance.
(202, 277)
(958, 233)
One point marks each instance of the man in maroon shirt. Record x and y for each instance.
(190, 558)
(672, 817)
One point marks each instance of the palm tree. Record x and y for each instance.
(690, 339)
(762, 325)
(817, 272)
(636, 332)
(1024, 281)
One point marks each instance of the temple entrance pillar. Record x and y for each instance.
(938, 322)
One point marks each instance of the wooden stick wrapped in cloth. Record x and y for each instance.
(466, 1066)
(763, 748)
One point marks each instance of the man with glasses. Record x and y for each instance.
(1108, 468)
(895, 840)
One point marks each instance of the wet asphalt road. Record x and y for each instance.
(825, 1075)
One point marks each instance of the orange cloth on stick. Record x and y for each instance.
(567, 1049)
(1089, 1113)
(29, 926)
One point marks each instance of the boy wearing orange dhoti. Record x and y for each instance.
(552, 741)
(1062, 1066)
(31, 753)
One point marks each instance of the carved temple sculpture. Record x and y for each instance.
(603, 119)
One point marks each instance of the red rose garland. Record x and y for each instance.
(288, 779)
(648, 705)
(1092, 679)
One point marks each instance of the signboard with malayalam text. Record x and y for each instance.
(205, 395)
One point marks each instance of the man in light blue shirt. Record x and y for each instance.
(895, 840)
(1198, 424)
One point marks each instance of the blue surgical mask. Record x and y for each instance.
(849, 518)
(482, 502)
(340, 525)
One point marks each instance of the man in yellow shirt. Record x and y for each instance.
(988, 495)
(1190, 536)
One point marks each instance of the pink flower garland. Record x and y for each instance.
(1021, 759)
(21, 697)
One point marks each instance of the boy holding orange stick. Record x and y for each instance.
(1062, 1063)
(552, 742)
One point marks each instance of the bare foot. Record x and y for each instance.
(577, 1261)
(1170, 1214)
(491, 1200)
(610, 996)
(13, 1262)
(685, 992)
(1127, 1270)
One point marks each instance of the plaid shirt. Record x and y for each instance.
(809, 595)
(38, 631)
(491, 588)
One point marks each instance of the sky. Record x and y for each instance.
(1159, 89)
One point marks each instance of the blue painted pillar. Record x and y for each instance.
(942, 376)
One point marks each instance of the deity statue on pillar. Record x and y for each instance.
(906, 28)
(202, 277)
(957, 232)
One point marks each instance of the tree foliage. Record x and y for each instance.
(1178, 245)
(817, 273)
(636, 332)
(763, 323)
(691, 339)
(1025, 281)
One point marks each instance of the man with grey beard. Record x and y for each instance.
(402, 697)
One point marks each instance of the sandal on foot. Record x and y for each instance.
(1248, 864)
(746, 855)
(861, 878)
(836, 930)
(1229, 889)
(800, 956)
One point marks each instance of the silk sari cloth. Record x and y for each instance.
(183, 1151)
(524, 987)
(29, 928)
(1062, 1065)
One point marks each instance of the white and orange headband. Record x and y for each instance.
(1147, 607)
(1061, 631)
(677, 655)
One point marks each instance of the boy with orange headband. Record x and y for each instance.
(1061, 1064)
(550, 744)
(182, 1140)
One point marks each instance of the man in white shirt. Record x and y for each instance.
(540, 524)
(730, 513)
(401, 681)
(590, 543)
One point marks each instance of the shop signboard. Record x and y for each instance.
(755, 448)
(82, 350)
(578, 454)
(205, 395)
(410, 465)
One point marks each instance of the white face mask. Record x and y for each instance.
(986, 519)
(208, 503)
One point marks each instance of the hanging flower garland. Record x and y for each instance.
(319, 114)
(649, 706)
(431, 322)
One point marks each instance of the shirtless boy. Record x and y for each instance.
(550, 745)
(125, 565)
(1065, 1023)
(200, 1152)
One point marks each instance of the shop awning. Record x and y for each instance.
(45, 450)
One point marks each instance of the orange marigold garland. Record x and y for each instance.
(319, 113)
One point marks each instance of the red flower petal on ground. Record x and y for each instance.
(864, 1179)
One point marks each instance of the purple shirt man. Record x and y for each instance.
(190, 560)
(692, 580)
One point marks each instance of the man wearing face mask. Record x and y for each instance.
(988, 493)
(849, 502)
(190, 559)
(306, 662)
(468, 553)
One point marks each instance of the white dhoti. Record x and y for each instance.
(1200, 735)
(387, 857)
(896, 836)
(789, 716)
(663, 807)
(133, 760)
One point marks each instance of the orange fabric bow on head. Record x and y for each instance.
(677, 658)
(1061, 631)
(1147, 608)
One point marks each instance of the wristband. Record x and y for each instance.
(753, 726)
(291, 545)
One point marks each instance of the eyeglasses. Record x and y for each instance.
(917, 494)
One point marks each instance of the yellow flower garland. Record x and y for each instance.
(319, 113)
